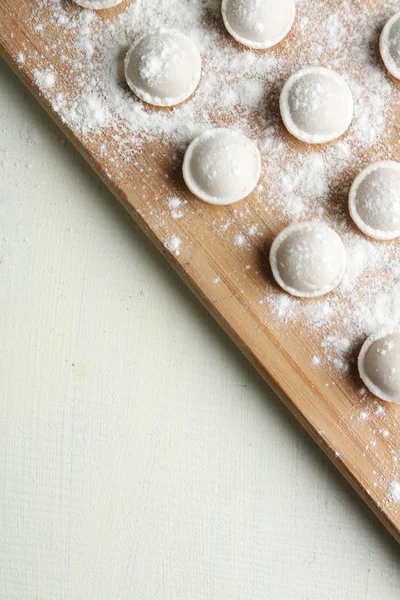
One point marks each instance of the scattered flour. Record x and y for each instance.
(393, 491)
(175, 206)
(173, 244)
(307, 177)
(253, 230)
(334, 31)
(44, 79)
(239, 240)
(251, 94)
(283, 306)
(244, 81)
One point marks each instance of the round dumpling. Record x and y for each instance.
(389, 45)
(163, 68)
(258, 23)
(379, 364)
(316, 105)
(308, 259)
(222, 166)
(374, 200)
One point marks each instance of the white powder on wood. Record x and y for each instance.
(253, 230)
(239, 240)
(173, 243)
(393, 491)
(44, 79)
(175, 206)
(243, 80)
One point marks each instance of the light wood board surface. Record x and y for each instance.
(324, 402)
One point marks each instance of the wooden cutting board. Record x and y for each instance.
(325, 402)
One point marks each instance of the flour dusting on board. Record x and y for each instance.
(44, 79)
(394, 491)
(240, 88)
(173, 244)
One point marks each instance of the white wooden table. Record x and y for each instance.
(141, 457)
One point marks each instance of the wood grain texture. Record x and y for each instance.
(322, 401)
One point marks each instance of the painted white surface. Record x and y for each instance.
(141, 457)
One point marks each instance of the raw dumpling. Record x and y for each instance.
(374, 200)
(379, 364)
(222, 166)
(163, 68)
(389, 45)
(258, 23)
(308, 259)
(316, 105)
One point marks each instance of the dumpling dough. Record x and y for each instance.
(258, 23)
(316, 105)
(97, 4)
(390, 45)
(379, 364)
(374, 200)
(163, 68)
(308, 259)
(222, 166)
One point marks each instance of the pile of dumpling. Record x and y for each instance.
(222, 166)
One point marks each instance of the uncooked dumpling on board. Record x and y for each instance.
(374, 200)
(389, 45)
(379, 364)
(316, 105)
(308, 259)
(97, 4)
(163, 68)
(222, 166)
(258, 23)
